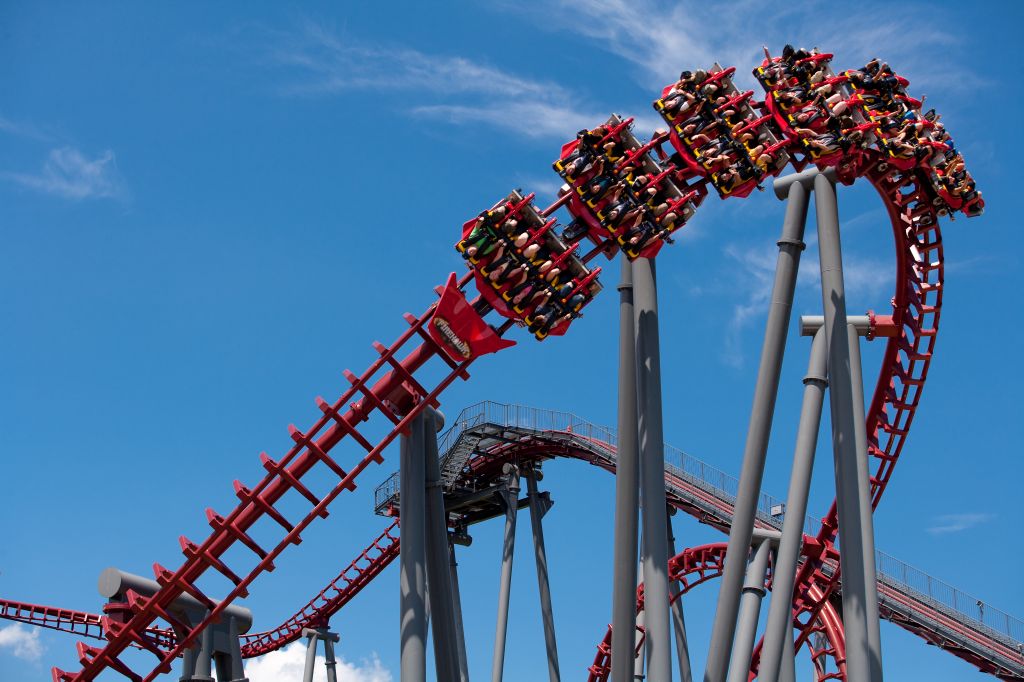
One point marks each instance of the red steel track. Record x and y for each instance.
(390, 393)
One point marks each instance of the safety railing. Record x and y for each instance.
(901, 576)
(959, 605)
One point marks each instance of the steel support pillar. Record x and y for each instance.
(510, 499)
(758, 432)
(778, 637)
(651, 440)
(460, 631)
(750, 610)
(204, 659)
(627, 492)
(864, 507)
(328, 638)
(863, 663)
(412, 557)
(310, 667)
(678, 621)
(439, 577)
(233, 660)
(539, 506)
(787, 670)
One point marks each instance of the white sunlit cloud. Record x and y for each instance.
(663, 37)
(954, 523)
(865, 277)
(70, 174)
(448, 88)
(21, 642)
(290, 662)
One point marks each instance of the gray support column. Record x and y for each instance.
(412, 557)
(778, 637)
(863, 665)
(539, 507)
(652, 472)
(460, 632)
(331, 663)
(237, 668)
(864, 508)
(511, 501)
(307, 671)
(758, 432)
(204, 659)
(750, 610)
(627, 492)
(678, 621)
(639, 637)
(787, 670)
(439, 577)
(188, 661)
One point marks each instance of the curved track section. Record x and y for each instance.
(697, 565)
(389, 391)
(374, 559)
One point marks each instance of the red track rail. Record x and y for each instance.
(80, 623)
(697, 565)
(338, 592)
(398, 397)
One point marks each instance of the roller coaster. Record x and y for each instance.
(625, 198)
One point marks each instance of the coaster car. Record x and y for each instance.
(724, 137)
(611, 193)
(521, 266)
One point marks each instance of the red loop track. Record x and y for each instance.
(389, 392)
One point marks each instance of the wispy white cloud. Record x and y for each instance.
(953, 523)
(319, 61)
(289, 663)
(69, 174)
(863, 277)
(21, 129)
(663, 37)
(22, 642)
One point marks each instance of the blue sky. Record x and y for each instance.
(207, 215)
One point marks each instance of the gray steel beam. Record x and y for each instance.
(864, 508)
(678, 619)
(758, 431)
(511, 499)
(412, 557)
(235, 653)
(439, 577)
(810, 324)
(307, 671)
(750, 610)
(460, 632)
(329, 660)
(539, 507)
(806, 178)
(863, 663)
(779, 627)
(652, 472)
(787, 671)
(627, 492)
